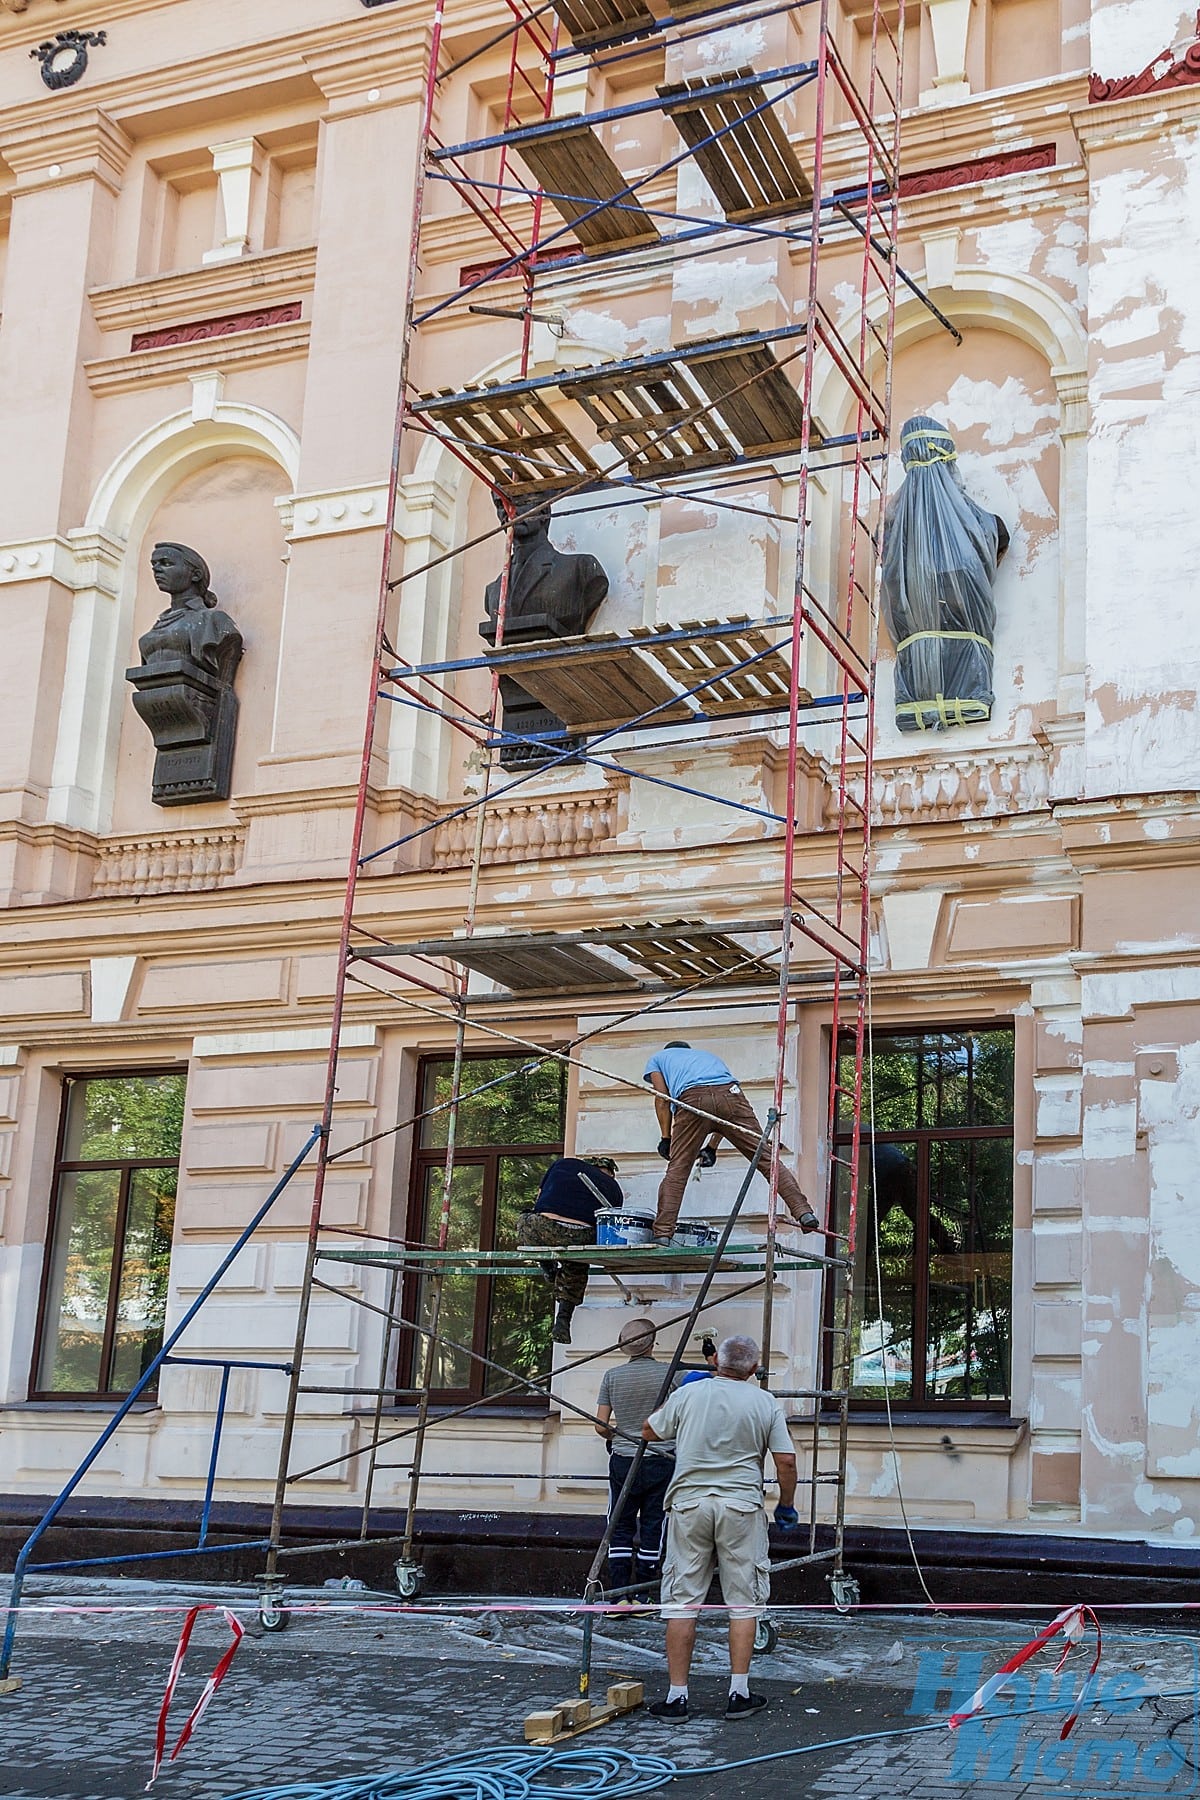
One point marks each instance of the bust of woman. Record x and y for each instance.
(193, 625)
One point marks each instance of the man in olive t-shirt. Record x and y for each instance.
(723, 1430)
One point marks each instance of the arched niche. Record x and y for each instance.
(1011, 395)
(102, 641)
(225, 509)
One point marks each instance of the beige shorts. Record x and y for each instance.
(707, 1535)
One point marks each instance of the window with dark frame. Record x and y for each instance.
(104, 1290)
(509, 1130)
(932, 1312)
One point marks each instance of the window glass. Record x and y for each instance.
(510, 1129)
(503, 1102)
(932, 1320)
(108, 1263)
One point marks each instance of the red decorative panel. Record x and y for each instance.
(982, 168)
(1166, 71)
(215, 328)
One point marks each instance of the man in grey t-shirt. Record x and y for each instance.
(723, 1430)
(628, 1396)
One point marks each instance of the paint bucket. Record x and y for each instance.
(613, 1227)
(694, 1237)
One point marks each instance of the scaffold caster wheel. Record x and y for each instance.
(766, 1637)
(410, 1579)
(271, 1615)
(846, 1594)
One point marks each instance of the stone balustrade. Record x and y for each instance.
(539, 828)
(182, 863)
(943, 788)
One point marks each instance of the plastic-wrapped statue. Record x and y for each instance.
(940, 556)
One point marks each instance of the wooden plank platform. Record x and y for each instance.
(751, 167)
(602, 693)
(579, 175)
(515, 439)
(589, 21)
(675, 950)
(763, 686)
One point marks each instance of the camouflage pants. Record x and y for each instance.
(570, 1278)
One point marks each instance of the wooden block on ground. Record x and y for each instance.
(625, 1695)
(575, 1712)
(542, 1725)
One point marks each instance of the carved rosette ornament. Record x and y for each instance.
(183, 690)
(64, 57)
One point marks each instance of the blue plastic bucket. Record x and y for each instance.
(613, 1227)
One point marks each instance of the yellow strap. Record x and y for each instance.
(970, 637)
(946, 712)
(927, 437)
(927, 462)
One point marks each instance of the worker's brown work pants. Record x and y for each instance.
(740, 1127)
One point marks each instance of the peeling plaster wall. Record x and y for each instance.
(1143, 628)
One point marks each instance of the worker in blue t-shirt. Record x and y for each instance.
(573, 1190)
(704, 1083)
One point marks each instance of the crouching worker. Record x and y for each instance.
(701, 1080)
(716, 1519)
(573, 1190)
(627, 1398)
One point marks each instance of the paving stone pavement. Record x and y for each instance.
(359, 1691)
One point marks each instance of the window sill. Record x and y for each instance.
(77, 1403)
(453, 1409)
(933, 1417)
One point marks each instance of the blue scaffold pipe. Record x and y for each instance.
(47, 1519)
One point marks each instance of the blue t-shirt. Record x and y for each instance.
(696, 1375)
(684, 1069)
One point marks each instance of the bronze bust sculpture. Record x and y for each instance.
(551, 593)
(940, 556)
(184, 687)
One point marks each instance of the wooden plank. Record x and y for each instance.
(590, 20)
(524, 969)
(578, 175)
(615, 687)
(751, 166)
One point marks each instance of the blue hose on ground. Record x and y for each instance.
(517, 1772)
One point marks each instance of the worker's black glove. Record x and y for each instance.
(664, 1148)
(707, 1156)
(786, 1517)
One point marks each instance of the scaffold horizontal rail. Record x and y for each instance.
(534, 962)
(740, 144)
(617, 1259)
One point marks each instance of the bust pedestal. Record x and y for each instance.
(521, 714)
(192, 717)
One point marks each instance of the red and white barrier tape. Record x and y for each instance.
(1072, 1623)
(210, 1687)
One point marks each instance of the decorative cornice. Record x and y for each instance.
(364, 72)
(1137, 118)
(178, 362)
(48, 150)
(1178, 66)
(37, 559)
(220, 288)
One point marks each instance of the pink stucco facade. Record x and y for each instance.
(220, 160)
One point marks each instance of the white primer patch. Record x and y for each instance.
(1128, 34)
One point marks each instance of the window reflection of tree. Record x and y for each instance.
(936, 1185)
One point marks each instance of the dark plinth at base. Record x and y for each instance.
(192, 717)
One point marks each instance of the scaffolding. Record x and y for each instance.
(550, 192)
